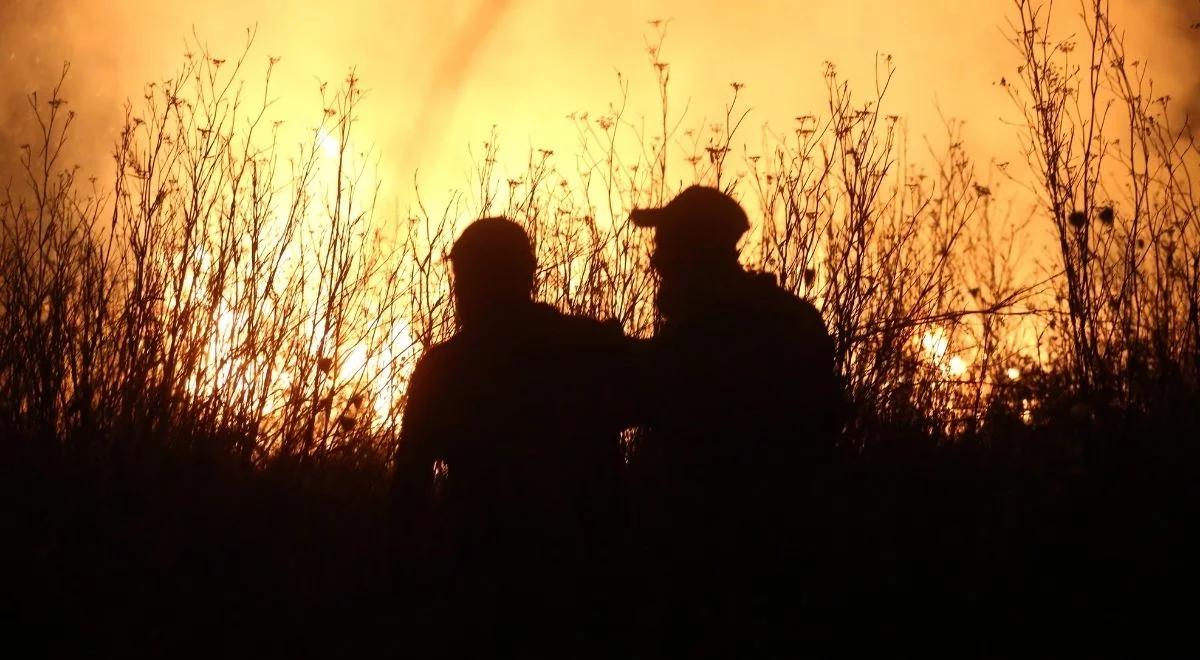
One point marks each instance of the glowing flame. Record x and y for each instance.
(936, 343)
(327, 144)
(397, 365)
(354, 364)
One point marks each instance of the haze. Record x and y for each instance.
(440, 74)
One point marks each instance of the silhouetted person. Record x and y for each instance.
(520, 416)
(745, 399)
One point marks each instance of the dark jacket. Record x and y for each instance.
(747, 406)
(525, 417)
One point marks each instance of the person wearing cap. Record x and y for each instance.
(745, 403)
(520, 415)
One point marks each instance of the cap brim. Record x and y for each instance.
(648, 217)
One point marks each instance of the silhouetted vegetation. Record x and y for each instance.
(203, 358)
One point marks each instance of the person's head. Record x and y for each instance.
(695, 244)
(493, 267)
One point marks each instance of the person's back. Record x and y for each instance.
(746, 403)
(523, 421)
(507, 476)
(743, 378)
(747, 407)
(747, 378)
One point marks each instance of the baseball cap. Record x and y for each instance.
(699, 214)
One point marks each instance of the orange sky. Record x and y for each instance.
(440, 74)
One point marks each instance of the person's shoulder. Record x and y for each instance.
(784, 304)
(608, 328)
(767, 289)
(586, 327)
(442, 350)
(439, 356)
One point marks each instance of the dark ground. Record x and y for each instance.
(1053, 541)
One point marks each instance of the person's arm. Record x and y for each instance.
(616, 385)
(824, 394)
(628, 372)
(418, 449)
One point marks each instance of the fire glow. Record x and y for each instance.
(267, 257)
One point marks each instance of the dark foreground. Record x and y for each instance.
(1048, 542)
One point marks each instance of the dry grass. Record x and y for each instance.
(229, 293)
(231, 299)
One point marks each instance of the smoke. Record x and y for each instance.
(439, 75)
(448, 78)
(25, 70)
(1182, 45)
